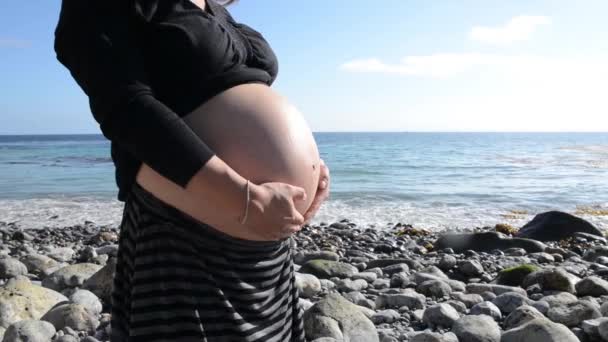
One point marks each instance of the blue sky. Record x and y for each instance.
(390, 65)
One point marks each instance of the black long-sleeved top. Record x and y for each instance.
(144, 64)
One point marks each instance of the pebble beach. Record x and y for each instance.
(544, 281)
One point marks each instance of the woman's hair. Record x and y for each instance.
(227, 2)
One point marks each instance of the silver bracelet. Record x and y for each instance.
(246, 205)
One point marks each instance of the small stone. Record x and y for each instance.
(308, 285)
(408, 298)
(470, 268)
(469, 299)
(440, 315)
(592, 286)
(434, 288)
(11, 267)
(488, 309)
(476, 328)
(385, 316)
(507, 302)
(326, 269)
(71, 315)
(573, 314)
(522, 315)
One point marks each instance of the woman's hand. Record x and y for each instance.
(272, 213)
(321, 195)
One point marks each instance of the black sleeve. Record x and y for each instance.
(98, 48)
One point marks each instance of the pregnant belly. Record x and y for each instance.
(259, 134)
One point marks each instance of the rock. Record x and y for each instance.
(603, 330)
(496, 289)
(555, 226)
(326, 269)
(540, 329)
(514, 276)
(476, 328)
(470, 268)
(555, 279)
(369, 277)
(469, 299)
(88, 300)
(542, 258)
(488, 309)
(459, 306)
(40, 265)
(574, 313)
(595, 252)
(440, 315)
(385, 316)
(71, 315)
(434, 288)
(62, 254)
(347, 285)
(70, 276)
(29, 330)
(507, 302)
(428, 336)
(434, 273)
(591, 326)
(412, 264)
(301, 258)
(447, 262)
(485, 242)
(308, 285)
(521, 315)
(560, 298)
(111, 250)
(395, 268)
(11, 267)
(101, 283)
(400, 280)
(22, 300)
(592, 286)
(408, 297)
(334, 316)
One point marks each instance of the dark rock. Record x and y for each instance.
(486, 242)
(555, 226)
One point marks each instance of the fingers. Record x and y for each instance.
(298, 193)
(295, 218)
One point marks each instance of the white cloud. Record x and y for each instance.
(519, 28)
(444, 65)
(520, 92)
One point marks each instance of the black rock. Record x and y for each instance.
(486, 242)
(555, 226)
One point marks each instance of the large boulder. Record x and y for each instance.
(540, 329)
(555, 226)
(336, 317)
(21, 300)
(552, 279)
(485, 242)
(514, 276)
(29, 330)
(11, 267)
(101, 283)
(70, 276)
(326, 269)
(477, 328)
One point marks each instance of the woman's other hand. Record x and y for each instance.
(272, 213)
(321, 195)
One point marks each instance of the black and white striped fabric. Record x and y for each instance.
(180, 280)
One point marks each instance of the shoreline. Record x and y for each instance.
(402, 283)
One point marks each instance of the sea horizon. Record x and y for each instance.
(434, 180)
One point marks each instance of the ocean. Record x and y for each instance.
(430, 180)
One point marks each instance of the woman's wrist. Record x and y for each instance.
(218, 182)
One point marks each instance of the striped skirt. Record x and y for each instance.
(181, 280)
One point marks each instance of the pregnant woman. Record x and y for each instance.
(216, 169)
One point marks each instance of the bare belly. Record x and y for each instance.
(258, 133)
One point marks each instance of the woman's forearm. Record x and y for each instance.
(219, 192)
